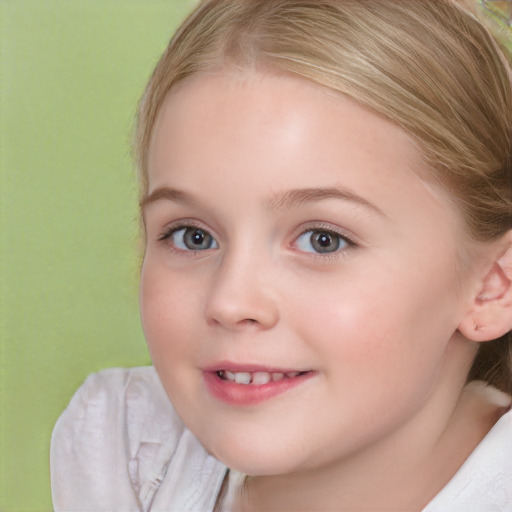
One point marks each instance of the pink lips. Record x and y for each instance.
(250, 384)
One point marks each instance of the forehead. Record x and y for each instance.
(274, 111)
(250, 130)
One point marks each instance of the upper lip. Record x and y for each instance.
(249, 368)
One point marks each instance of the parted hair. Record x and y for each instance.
(432, 67)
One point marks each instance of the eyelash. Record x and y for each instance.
(166, 237)
(342, 238)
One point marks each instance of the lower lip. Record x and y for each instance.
(248, 394)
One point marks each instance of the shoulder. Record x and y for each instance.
(483, 481)
(119, 441)
(114, 399)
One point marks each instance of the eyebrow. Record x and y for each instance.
(280, 201)
(299, 197)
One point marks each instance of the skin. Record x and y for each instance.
(382, 422)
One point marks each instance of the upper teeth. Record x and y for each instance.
(256, 378)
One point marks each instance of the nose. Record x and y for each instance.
(241, 295)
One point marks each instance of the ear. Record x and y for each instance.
(490, 315)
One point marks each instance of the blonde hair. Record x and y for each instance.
(430, 66)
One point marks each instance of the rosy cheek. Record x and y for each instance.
(166, 311)
(154, 308)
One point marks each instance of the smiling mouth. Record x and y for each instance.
(256, 378)
(248, 385)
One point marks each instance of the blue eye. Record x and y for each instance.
(321, 241)
(192, 239)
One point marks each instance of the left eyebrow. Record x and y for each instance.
(299, 197)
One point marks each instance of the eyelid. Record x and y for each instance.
(345, 235)
(170, 229)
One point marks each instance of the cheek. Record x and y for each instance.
(164, 309)
(168, 310)
(379, 330)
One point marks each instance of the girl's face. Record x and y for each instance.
(300, 290)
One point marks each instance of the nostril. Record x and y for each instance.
(245, 322)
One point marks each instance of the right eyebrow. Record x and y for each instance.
(166, 193)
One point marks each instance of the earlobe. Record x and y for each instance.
(490, 316)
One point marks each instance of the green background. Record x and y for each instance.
(71, 75)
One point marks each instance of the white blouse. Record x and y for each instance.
(120, 447)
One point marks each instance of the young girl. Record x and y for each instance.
(327, 283)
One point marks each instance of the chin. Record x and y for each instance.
(256, 460)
